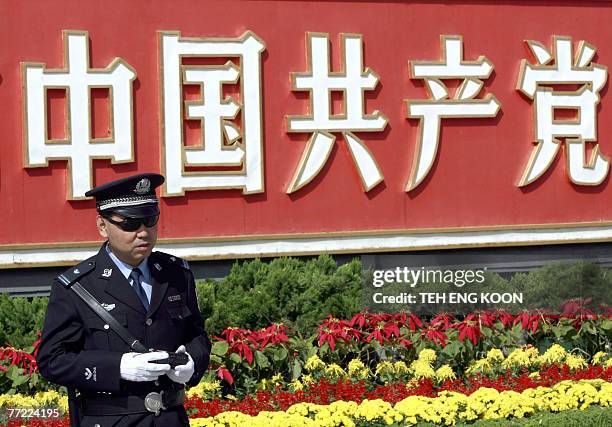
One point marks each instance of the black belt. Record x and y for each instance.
(122, 405)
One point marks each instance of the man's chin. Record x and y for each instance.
(141, 252)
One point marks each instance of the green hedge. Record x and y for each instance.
(296, 292)
(20, 320)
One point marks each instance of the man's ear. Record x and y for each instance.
(101, 224)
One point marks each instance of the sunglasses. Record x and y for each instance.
(133, 224)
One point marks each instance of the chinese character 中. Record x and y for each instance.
(77, 79)
(320, 82)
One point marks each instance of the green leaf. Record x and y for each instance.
(452, 349)
(588, 327)
(220, 348)
(34, 380)
(280, 354)
(297, 369)
(261, 360)
(562, 330)
(234, 357)
(606, 324)
(13, 372)
(216, 359)
(21, 379)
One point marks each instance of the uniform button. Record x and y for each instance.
(96, 425)
(156, 382)
(106, 326)
(149, 322)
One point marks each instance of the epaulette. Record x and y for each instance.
(73, 274)
(171, 259)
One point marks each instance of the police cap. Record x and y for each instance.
(132, 197)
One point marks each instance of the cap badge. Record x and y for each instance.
(143, 187)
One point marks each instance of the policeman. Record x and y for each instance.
(152, 294)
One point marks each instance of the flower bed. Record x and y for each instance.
(537, 386)
(523, 369)
(447, 408)
(377, 365)
(244, 360)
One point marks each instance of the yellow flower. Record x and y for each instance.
(314, 363)
(481, 365)
(400, 367)
(296, 385)
(554, 355)
(428, 355)
(575, 362)
(307, 379)
(521, 358)
(599, 357)
(384, 368)
(495, 355)
(334, 371)
(445, 372)
(421, 369)
(357, 369)
(204, 389)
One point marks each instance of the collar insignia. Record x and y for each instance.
(157, 266)
(107, 272)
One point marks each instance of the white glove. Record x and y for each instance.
(182, 373)
(136, 366)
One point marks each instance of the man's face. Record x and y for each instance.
(131, 247)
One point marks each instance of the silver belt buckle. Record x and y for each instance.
(153, 402)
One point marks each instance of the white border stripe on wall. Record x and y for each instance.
(304, 245)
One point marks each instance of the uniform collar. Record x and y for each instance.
(126, 269)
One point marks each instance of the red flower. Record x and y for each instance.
(487, 318)
(528, 321)
(469, 328)
(435, 336)
(442, 320)
(506, 318)
(224, 374)
(327, 336)
(359, 319)
(243, 350)
(414, 322)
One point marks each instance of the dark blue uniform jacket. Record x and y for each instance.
(79, 350)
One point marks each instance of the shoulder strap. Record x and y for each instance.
(94, 304)
(171, 259)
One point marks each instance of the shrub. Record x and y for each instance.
(292, 291)
(21, 320)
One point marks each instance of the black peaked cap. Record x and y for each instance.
(133, 196)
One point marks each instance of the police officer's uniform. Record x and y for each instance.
(80, 350)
